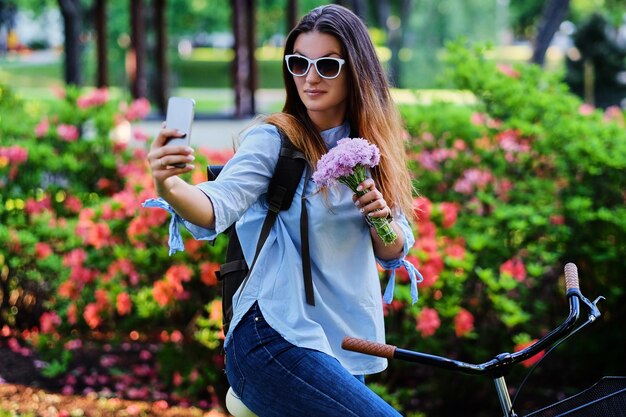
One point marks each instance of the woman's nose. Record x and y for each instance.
(312, 75)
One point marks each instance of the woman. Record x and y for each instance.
(284, 356)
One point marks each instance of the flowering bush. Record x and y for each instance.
(511, 189)
(83, 260)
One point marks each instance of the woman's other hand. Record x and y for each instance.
(372, 202)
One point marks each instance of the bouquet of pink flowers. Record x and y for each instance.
(347, 163)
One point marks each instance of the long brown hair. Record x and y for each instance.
(370, 110)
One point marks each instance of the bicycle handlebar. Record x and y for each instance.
(499, 365)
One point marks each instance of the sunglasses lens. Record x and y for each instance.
(328, 67)
(297, 65)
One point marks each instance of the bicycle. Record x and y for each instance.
(606, 398)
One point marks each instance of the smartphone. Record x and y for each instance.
(179, 116)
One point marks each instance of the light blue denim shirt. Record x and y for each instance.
(347, 290)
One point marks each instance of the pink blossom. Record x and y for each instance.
(428, 321)
(42, 128)
(427, 161)
(478, 119)
(58, 91)
(455, 251)
(614, 113)
(92, 315)
(508, 70)
(123, 304)
(586, 109)
(343, 160)
(73, 204)
(472, 179)
(207, 273)
(73, 344)
(68, 133)
(14, 154)
(48, 321)
(557, 219)
(176, 336)
(463, 322)
(96, 97)
(422, 207)
(515, 268)
(42, 250)
(140, 135)
(138, 109)
(450, 213)
(177, 379)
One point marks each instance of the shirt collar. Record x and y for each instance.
(332, 135)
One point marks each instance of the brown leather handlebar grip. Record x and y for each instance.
(571, 277)
(369, 348)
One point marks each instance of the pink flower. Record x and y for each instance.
(140, 135)
(508, 70)
(48, 321)
(428, 321)
(97, 97)
(586, 109)
(557, 219)
(422, 207)
(92, 315)
(515, 268)
(138, 109)
(177, 379)
(455, 251)
(450, 213)
(68, 133)
(123, 304)
(207, 273)
(176, 336)
(42, 250)
(73, 204)
(478, 119)
(463, 322)
(344, 160)
(42, 128)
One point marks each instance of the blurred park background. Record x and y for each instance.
(516, 134)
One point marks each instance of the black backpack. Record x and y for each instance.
(234, 272)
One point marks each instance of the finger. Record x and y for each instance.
(366, 185)
(165, 135)
(172, 159)
(370, 197)
(376, 208)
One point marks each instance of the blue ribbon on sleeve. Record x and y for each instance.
(175, 240)
(414, 276)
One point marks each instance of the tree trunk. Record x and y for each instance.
(100, 17)
(553, 14)
(244, 64)
(72, 27)
(162, 73)
(137, 54)
(292, 14)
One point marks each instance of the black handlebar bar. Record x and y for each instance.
(499, 365)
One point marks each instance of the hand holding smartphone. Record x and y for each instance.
(180, 112)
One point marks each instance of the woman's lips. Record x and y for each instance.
(314, 93)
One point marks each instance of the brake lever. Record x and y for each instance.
(594, 312)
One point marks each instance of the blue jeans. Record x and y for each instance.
(275, 378)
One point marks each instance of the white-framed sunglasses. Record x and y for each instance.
(326, 67)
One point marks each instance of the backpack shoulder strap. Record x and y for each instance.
(282, 188)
